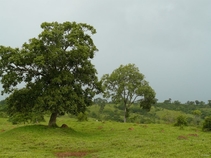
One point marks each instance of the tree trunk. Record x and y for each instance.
(125, 117)
(52, 121)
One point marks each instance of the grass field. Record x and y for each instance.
(94, 139)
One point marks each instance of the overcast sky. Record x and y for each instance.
(168, 40)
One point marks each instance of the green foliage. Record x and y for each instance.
(22, 107)
(207, 124)
(3, 115)
(186, 108)
(28, 117)
(167, 101)
(190, 103)
(82, 117)
(126, 85)
(110, 113)
(197, 118)
(159, 113)
(56, 69)
(101, 103)
(3, 109)
(209, 102)
(177, 102)
(3, 105)
(181, 121)
(197, 112)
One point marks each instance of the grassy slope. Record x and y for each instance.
(103, 140)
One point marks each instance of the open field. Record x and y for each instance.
(93, 139)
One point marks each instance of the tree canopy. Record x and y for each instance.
(55, 68)
(127, 85)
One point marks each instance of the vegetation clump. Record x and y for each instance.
(181, 121)
(82, 117)
(207, 124)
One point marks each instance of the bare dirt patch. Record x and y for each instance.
(193, 135)
(182, 137)
(64, 126)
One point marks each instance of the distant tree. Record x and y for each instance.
(167, 101)
(101, 103)
(190, 103)
(202, 103)
(126, 85)
(177, 102)
(197, 114)
(56, 69)
(197, 102)
(209, 102)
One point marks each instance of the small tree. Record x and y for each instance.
(167, 101)
(126, 85)
(181, 121)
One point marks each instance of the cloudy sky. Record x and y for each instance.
(169, 40)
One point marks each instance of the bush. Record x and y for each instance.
(3, 115)
(146, 121)
(181, 121)
(93, 114)
(82, 117)
(207, 124)
(135, 119)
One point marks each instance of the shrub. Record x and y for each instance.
(207, 124)
(145, 120)
(93, 114)
(3, 115)
(82, 117)
(181, 121)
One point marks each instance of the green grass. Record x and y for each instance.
(102, 140)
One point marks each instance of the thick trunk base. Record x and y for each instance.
(52, 121)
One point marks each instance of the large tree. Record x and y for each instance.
(127, 85)
(55, 68)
